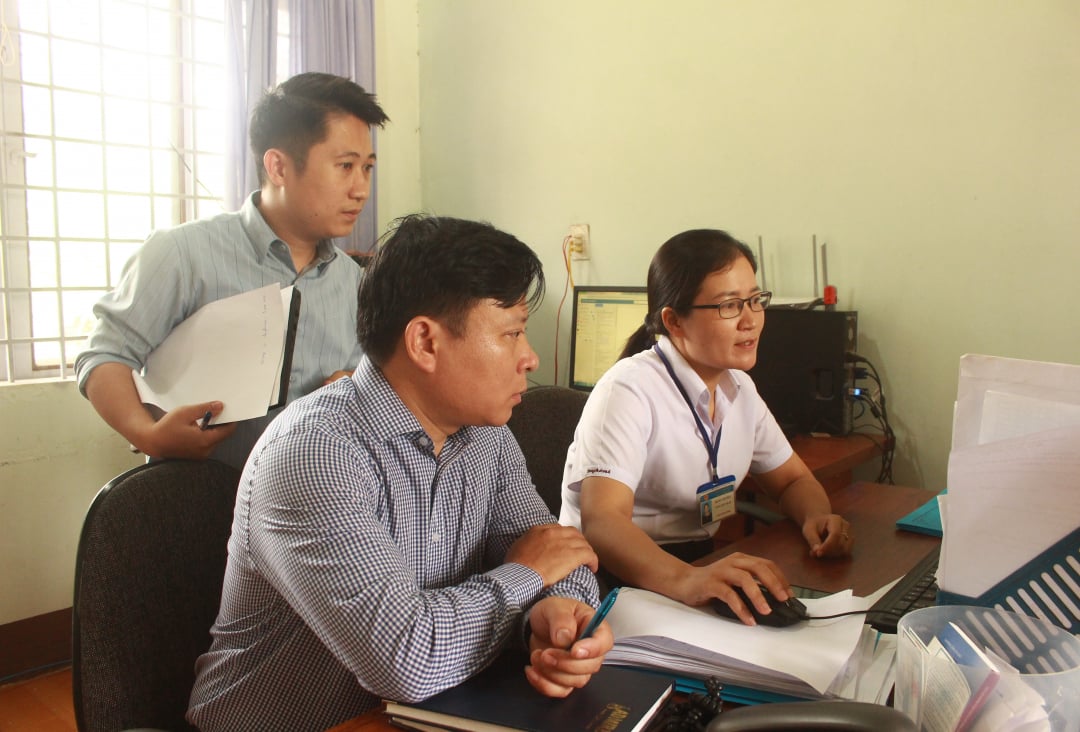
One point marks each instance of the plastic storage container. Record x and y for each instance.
(944, 682)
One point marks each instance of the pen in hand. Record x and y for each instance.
(598, 617)
(206, 420)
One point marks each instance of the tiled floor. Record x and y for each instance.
(40, 704)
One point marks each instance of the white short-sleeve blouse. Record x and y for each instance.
(637, 428)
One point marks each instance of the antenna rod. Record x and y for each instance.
(824, 265)
(813, 246)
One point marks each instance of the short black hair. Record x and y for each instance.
(293, 115)
(440, 267)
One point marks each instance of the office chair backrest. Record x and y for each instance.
(544, 426)
(148, 576)
(813, 716)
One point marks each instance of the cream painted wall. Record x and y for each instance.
(397, 74)
(55, 453)
(932, 145)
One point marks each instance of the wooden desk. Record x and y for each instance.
(371, 721)
(882, 553)
(830, 459)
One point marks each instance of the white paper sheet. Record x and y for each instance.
(1006, 415)
(1014, 469)
(1056, 383)
(803, 658)
(1008, 501)
(230, 350)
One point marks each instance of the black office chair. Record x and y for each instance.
(148, 577)
(544, 426)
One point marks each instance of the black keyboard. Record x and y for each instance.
(916, 589)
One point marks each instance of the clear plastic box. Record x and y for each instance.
(1037, 685)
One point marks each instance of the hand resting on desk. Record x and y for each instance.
(801, 498)
(828, 535)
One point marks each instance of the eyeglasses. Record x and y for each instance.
(732, 308)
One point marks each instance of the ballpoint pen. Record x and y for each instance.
(598, 617)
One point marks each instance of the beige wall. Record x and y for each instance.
(397, 87)
(55, 453)
(932, 145)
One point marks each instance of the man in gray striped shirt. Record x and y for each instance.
(311, 137)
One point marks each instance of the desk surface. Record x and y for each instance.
(882, 553)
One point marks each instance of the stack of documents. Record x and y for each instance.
(816, 659)
(1014, 486)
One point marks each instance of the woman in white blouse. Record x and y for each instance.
(675, 425)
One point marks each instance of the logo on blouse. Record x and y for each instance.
(594, 471)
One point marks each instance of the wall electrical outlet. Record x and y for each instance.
(579, 241)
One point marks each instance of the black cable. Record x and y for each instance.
(868, 612)
(880, 412)
(889, 442)
(837, 615)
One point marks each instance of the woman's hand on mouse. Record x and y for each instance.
(752, 574)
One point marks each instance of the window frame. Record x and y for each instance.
(188, 196)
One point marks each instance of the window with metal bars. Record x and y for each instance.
(112, 117)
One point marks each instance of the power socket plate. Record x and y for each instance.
(580, 246)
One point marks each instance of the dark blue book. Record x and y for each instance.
(500, 699)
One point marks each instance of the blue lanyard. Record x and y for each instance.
(713, 448)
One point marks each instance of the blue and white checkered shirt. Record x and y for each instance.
(178, 270)
(361, 566)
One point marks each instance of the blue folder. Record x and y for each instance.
(926, 519)
(731, 692)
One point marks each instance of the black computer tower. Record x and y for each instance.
(801, 369)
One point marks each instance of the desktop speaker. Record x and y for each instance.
(801, 371)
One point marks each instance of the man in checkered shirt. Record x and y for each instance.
(387, 540)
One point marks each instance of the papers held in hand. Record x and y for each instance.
(237, 350)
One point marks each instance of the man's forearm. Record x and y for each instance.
(111, 391)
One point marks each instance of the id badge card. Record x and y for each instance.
(716, 500)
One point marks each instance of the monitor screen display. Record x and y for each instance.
(603, 318)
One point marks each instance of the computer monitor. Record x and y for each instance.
(604, 317)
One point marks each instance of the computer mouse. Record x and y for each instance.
(784, 613)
